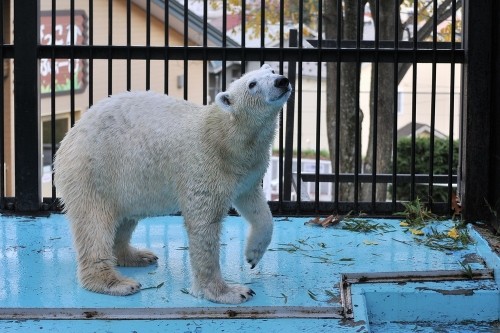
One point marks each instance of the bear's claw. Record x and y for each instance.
(136, 258)
(252, 265)
(254, 256)
(249, 294)
(223, 293)
(124, 287)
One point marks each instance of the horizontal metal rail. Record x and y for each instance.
(385, 44)
(321, 208)
(380, 178)
(234, 54)
(240, 312)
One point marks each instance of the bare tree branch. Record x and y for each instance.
(444, 12)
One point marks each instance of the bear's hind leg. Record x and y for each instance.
(204, 246)
(93, 237)
(127, 255)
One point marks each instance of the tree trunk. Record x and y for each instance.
(348, 97)
(385, 99)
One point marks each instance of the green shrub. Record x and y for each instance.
(422, 163)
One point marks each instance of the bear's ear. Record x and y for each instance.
(224, 102)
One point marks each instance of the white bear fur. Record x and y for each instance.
(140, 154)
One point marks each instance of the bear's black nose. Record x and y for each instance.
(281, 82)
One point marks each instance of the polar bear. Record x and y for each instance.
(140, 154)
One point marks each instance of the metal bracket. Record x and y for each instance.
(348, 279)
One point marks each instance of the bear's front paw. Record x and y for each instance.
(256, 247)
(224, 293)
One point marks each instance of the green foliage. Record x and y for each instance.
(364, 225)
(422, 165)
(421, 222)
(416, 214)
(444, 241)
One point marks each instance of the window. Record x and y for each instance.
(62, 125)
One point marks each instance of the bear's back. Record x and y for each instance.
(126, 143)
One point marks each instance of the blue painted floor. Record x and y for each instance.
(297, 281)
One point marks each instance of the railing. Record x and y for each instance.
(184, 44)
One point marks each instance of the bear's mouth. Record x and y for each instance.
(281, 95)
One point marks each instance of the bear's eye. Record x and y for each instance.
(273, 71)
(252, 84)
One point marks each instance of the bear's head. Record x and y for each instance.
(260, 94)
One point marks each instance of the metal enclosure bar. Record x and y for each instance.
(475, 143)
(26, 107)
(2, 104)
(289, 128)
(495, 124)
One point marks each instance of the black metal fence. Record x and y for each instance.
(359, 68)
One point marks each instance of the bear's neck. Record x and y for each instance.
(232, 134)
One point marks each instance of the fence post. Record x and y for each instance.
(475, 145)
(495, 125)
(26, 107)
(290, 113)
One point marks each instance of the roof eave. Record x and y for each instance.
(195, 23)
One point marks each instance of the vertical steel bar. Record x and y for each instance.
(53, 93)
(262, 29)
(317, 189)
(433, 104)
(166, 19)
(281, 34)
(186, 44)
(452, 99)
(2, 107)
(205, 45)
(243, 35)
(395, 111)
(289, 126)
(414, 102)
(224, 43)
(26, 107)
(281, 131)
(91, 58)
(357, 140)
(494, 189)
(375, 106)
(337, 102)
(298, 92)
(110, 43)
(129, 44)
(72, 62)
(476, 136)
(148, 45)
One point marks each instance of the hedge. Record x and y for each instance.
(422, 163)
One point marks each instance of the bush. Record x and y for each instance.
(422, 161)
